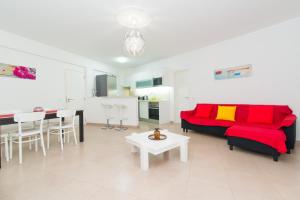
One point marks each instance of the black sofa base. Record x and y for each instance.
(214, 130)
(253, 146)
(244, 143)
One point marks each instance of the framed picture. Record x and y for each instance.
(14, 71)
(233, 72)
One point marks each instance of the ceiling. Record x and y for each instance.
(89, 27)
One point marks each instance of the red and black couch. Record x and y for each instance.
(275, 136)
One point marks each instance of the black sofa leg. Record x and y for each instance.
(231, 147)
(288, 151)
(275, 158)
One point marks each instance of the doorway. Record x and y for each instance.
(181, 93)
(75, 88)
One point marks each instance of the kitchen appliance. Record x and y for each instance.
(106, 85)
(143, 97)
(154, 110)
(157, 81)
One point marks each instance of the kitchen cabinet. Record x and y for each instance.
(144, 83)
(144, 109)
(154, 82)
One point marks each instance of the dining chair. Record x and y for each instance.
(25, 135)
(64, 128)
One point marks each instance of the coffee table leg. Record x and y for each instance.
(134, 149)
(144, 159)
(184, 152)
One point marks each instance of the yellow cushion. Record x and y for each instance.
(226, 113)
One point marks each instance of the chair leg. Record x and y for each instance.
(30, 144)
(36, 143)
(48, 139)
(64, 137)
(75, 138)
(6, 148)
(20, 150)
(68, 137)
(42, 143)
(61, 140)
(10, 147)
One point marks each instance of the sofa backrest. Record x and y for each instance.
(279, 112)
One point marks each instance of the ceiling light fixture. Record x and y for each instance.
(134, 19)
(122, 59)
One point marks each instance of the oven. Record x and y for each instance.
(154, 110)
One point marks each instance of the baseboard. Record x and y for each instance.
(102, 124)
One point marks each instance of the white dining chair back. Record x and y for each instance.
(68, 115)
(29, 117)
(34, 134)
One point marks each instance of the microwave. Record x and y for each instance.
(157, 81)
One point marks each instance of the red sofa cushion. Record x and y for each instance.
(203, 110)
(273, 138)
(261, 114)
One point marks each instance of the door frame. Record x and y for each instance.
(80, 70)
(188, 97)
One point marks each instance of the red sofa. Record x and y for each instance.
(275, 137)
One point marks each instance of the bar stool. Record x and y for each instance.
(121, 110)
(107, 113)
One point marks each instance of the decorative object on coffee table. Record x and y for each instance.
(157, 135)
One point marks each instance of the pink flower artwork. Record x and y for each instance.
(14, 71)
(24, 72)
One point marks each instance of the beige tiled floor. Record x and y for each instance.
(104, 168)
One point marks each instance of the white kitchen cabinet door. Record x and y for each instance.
(144, 109)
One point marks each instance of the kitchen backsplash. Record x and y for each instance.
(155, 93)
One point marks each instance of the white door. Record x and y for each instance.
(181, 93)
(75, 89)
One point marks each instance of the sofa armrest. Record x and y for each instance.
(288, 120)
(186, 113)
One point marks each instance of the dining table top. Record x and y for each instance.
(11, 114)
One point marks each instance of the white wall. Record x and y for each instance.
(48, 90)
(274, 53)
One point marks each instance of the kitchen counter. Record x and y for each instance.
(153, 100)
(95, 113)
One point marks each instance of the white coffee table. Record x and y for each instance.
(144, 145)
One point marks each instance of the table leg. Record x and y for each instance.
(81, 128)
(0, 147)
(144, 159)
(166, 155)
(184, 152)
(134, 149)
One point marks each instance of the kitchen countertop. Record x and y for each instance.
(152, 100)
